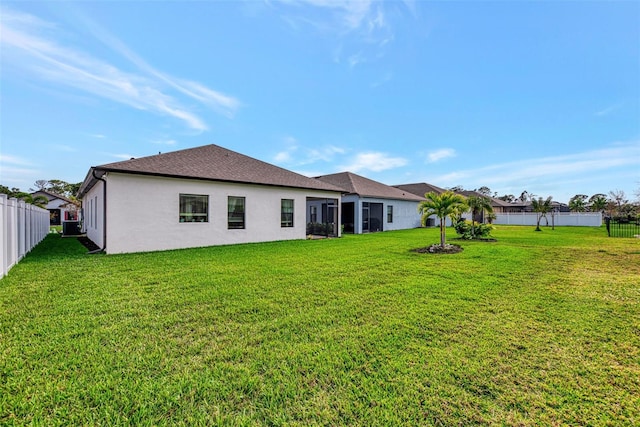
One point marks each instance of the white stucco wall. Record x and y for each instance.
(93, 214)
(143, 213)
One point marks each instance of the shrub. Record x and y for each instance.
(472, 230)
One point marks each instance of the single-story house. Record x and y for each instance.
(420, 188)
(196, 197)
(60, 207)
(369, 206)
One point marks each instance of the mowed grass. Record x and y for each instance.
(535, 329)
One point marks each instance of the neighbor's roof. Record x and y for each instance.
(365, 187)
(209, 162)
(52, 196)
(420, 188)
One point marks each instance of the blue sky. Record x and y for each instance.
(535, 96)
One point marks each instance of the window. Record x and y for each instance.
(235, 213)
(313, 214)
(194, 208)
(389, 213)
(95, 212)
(286, 213)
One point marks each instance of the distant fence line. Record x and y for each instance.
(622, 227)
(578, 219)
(22, 227)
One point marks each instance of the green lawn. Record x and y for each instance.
(535, 329)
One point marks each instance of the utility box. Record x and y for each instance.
(71, 228)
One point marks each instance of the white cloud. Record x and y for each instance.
(16, 171)
(283, 157)
(361, 27)
(64, 148)
(552, 171)
(374, 161)
(169, 142)
(296, 155)
(31, 45)
(607, 111)
(7, 159)
(122, 156)
(441, 154)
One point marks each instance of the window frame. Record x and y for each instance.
(287, 223)
(191, 217)
(389, 214)
(234, 223)
(313, 214)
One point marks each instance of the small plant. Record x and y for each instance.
(468, 230)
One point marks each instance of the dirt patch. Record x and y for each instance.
(88, 243)
(437, 249)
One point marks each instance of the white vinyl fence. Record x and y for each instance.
(579, 219)
(22, 227)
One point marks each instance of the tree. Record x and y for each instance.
(578, 203)
(510, 198)
(484, 190)
(41, 184)
(597, 202)
(541, 207)
(457, 189)
(442, 206)
(57, 186)
(525, 195)
(40, 201)
(478, 205)
(618, 197)
(10, 192)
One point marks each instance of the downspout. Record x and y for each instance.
(104, 212)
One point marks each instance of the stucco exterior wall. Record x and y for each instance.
(143, 213)
(93, 214)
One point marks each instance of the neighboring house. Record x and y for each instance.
(60, 208)
(201, 196)
(369, 205)
(420, 188)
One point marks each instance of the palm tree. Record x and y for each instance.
(542, 207)
(39, 201)
(578, 203)
(478, 204)
(598, 202)
(441, 205)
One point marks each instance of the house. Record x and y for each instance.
(60, 208)
(201, 196)
(369, 205)
(420, 188)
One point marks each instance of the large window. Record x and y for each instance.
(389, 213)
(286, 213)
(235, 218)
(194, 208)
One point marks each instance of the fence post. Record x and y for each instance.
(3, 235)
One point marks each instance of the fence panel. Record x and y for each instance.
(22, 227)
(577, 219)
(624, 227)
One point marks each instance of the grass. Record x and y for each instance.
(535, 329)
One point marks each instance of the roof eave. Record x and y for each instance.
(144, 173)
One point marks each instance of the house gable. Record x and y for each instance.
(211, 163)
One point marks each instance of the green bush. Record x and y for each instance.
(472, 230)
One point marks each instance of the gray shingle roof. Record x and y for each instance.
(365, 187)
(215, 163)
(420, 188)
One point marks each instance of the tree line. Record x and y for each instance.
(54, 186)
(614, 204)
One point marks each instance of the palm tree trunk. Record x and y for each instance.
(442, 232)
